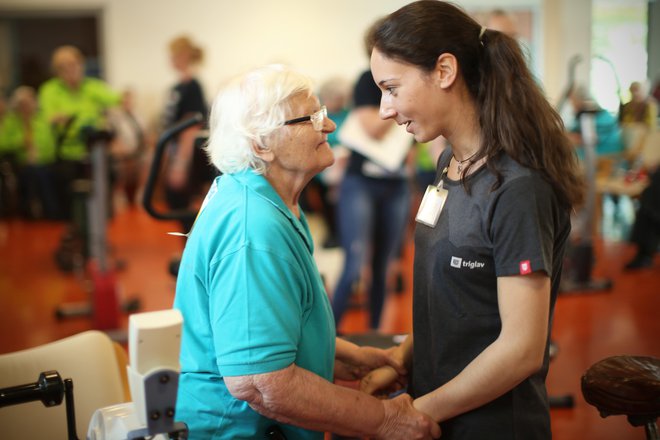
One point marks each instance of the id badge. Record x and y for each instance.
(431, 206)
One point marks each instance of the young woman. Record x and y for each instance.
(492, 229)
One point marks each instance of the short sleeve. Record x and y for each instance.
(522, 229)
(105, 95)
(255, 312)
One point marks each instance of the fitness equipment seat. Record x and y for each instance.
(626, 385)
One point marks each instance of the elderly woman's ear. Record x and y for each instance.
(264, 153)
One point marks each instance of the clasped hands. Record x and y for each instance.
(381, 373)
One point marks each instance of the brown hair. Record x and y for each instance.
(184, 44)
(514, 115)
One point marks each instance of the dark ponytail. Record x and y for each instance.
(514, 115)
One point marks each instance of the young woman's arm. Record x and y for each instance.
(518, 352)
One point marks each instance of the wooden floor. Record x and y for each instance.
(587, 326)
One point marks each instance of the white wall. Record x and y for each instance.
(321, 38)
(236, 36)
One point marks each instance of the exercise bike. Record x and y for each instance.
(90, 226)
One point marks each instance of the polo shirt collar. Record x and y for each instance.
(260, 185)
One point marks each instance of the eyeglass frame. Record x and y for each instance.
(317, 119)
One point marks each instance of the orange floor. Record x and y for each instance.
(587, 327)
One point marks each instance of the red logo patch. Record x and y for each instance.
(525, 267)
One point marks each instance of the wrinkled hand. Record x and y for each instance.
(383, 382)
(403, 421)
(364, 361)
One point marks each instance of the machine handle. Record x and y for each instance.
(147, 200)
(49, 389)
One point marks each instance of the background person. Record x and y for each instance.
(29, 135)
(71, 102)
(259, 346)
(335, 94)
(487, 270)
(502, 21)
(372, 210)
(642, 108)
(186, 98)
(128, 148)
(645, 234)
(608, 133)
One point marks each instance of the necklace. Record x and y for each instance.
(461, 162)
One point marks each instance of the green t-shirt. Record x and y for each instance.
(13, 137)
(253, 302)
(86, 105)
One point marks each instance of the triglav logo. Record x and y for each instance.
(458, 263)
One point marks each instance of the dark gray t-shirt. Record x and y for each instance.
(514, 230)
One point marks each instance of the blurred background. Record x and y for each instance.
(586, 54)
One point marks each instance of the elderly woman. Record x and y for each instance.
(259, 350)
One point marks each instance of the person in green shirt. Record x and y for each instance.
(8, 179)
(73, 98)
(27, 135)
(71, 102)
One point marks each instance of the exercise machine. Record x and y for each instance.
(154, 171)
(580, 261)
(153, 371)
(184, 216)
(153, 375)
(103, 307)
(50, 390)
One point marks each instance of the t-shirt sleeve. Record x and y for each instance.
(255, 312)
(105, 95)
(522, 228)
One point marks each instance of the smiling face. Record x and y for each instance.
(298, 149)
(411, 96)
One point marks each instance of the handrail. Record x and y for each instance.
(147, 199)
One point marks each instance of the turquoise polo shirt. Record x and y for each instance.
(252, 302)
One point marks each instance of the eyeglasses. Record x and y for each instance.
(317, 119)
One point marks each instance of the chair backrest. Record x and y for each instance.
(91, 359)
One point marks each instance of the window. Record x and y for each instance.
(619, 42)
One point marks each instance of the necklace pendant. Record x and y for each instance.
(459, 166)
